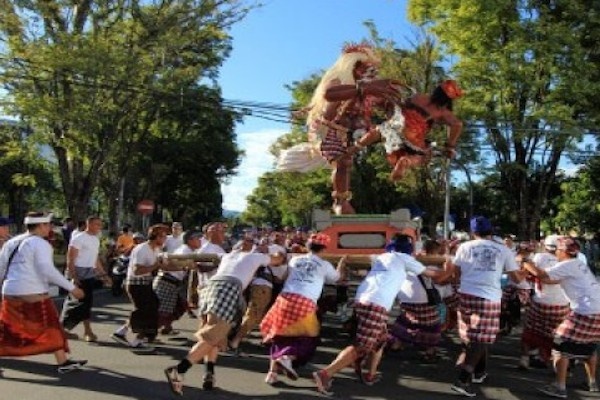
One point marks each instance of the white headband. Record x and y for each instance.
(44, 219)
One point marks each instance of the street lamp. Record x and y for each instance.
(447, 198)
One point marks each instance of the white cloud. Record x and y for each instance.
(255, 163)
(570, 171)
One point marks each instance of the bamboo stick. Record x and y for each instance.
(356, 261)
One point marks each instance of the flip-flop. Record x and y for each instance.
(287, 368)
(175, 381)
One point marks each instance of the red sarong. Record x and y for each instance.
(371, 328)
(27, 329)
(291, 315)
(478, 319)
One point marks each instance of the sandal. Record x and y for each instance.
(175, 380)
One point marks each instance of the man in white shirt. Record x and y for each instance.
(83, 267)
(219, 304)
(373, 301)
(144, 261)
(212, 244)
(175, 239)
(480, 263)
(548, 308)
(169, 286)
(577, 337)
(29, 322)
(261, 292)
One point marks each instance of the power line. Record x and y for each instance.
(280, 113)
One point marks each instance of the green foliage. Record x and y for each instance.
(287, 198)
(25, 173)
(92, 79)
(188, 158)
(530, 71)
(578, 206)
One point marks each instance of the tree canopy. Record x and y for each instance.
(530, 70)
(93, 77)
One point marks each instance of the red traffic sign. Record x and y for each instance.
(145, 207)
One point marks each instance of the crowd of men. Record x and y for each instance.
(274, 281)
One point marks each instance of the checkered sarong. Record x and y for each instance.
(139, 280)
(288, 309)
(540, 324)
(510, 292)
(579, 328)
(332, 147)
(418, 324)
(452, 301)
(543, 319)
(371, 328)
(221, 297)
(478, 319)
(169, 295)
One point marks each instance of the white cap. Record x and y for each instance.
(551, 241)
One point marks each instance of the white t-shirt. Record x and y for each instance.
(143, 255)
(277, 271)
(87, 247)
(276, 248)
(550, 294)
(208, 248)
(481, 263)
(172, 243)
(307, 275)
(412, 291)
(241, 265)
(580, 285)
(32, 268)
(384, 280)
(183, 249)
(75, 233)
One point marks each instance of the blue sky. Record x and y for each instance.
(286, 41)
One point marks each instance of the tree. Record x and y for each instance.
(182, 164)
(578, 207)
(25, 174)
(530, 72)
(94, 75)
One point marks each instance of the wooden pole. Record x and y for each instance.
(357, 261)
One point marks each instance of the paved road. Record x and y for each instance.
(116, 373)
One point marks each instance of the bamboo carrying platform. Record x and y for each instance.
(353, 261)
(358, 237)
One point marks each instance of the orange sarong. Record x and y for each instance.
(30, 328)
